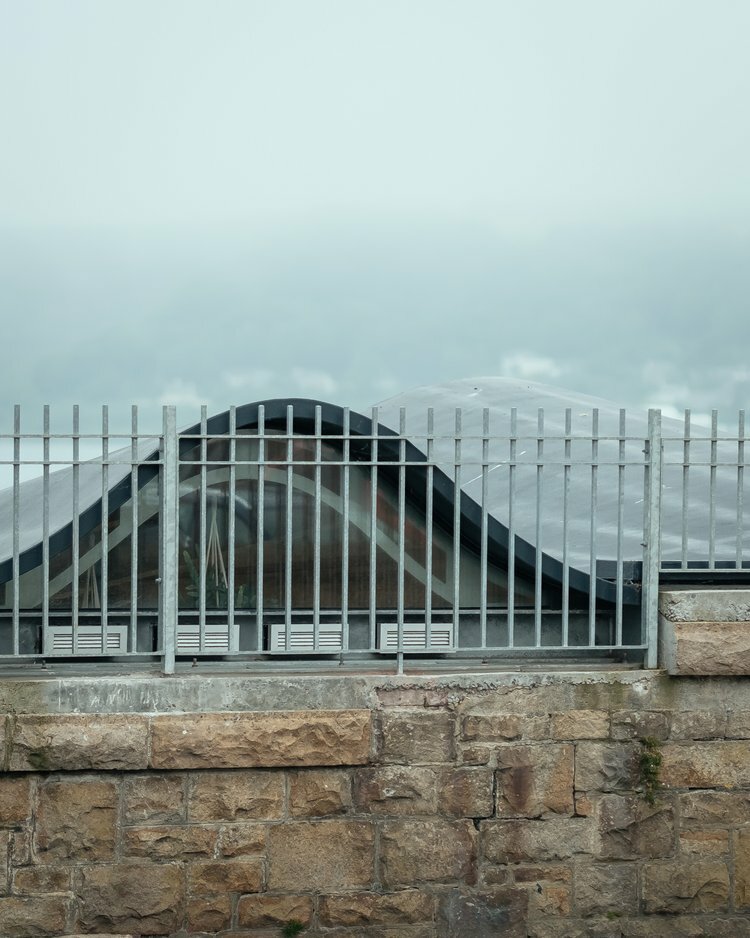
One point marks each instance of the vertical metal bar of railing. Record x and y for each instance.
(260, 528)
(538, 529)
(288, 545)
(16, 627)
(345, 494)
(202, 529)
(233, 625)
(75, 547)
(712, 491)
(619, 585)
(593, 523)
(429, 507)
(134, 492)
(740, 489)
(512, 462)
(45, 525)
(567, 445)
(685, 492)
(400, 573)
(104, 592)
(318, 451)
(652, 538)
(168, 574)
(373, 590)
(484, 527)
(457, 526)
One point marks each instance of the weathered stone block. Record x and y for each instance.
(41, 880)
(714, 807)
(580, 724)
(742, 869)
(556, 838)
(738, 725)
(605, 766)
(606, 889)
(273, 911)
(533, 781)
(169, 843)
(693, 649)
(549, 889)
(320, 855)
(396, 790)
(23, 917)
(217, 878)
(76, 820)
(500, 911)
(705, 605)
(230, 796)
(74, 742)
(153, 799)
(404, 907)
(250, 740)
(319, 792)
(144, 898)
(681, 886)
(417, 736)
(209, 913)
(436, 851)
(505, 727)
(698, 724)
(716, 764)
(465, 792)
(15, 799)
(20, 848)
(475, 755)
(705, 843)
(639, 724)
(630, 828)
(239, 840)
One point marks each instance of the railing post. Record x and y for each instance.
(169, 538)
(652, 539)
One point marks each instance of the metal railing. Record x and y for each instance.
(306, 531)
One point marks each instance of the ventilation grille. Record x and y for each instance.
(88, 639)
(414, 637)
(302, 637)
(215, 639)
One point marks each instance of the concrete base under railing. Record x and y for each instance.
(704, 632)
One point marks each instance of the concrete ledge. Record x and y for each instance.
(705, 605)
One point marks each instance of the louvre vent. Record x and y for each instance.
(414, 637)
(302, 637)
(89, 639)
(214, 639)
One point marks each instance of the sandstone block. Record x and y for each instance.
(504, 727)
(74, 742)
(500, 911)
(320, 855)
(705, 605)
(239, 840)
(693, 649)
(475, 755)
(250, 740)
(231, 796)
(153, 799)
(605, 766)
(209, 913)
(533, 781)
(217, 878)
(714, 807)
(399, 908)
(20, 848)
(169, 843)
(24, 917)
(396, 790)
(417, 736)
(15, 799)
(41, 880)
(738, 724)
(465, 792)
(630, 828)
(717, 764)
(319, 792)
(606, 889)
(580, 724)
(76, 821)
(680, 886)
(436, 851)
(698, 724)
(705, 843)
(557, 838)
(273, 911)
(143, 898)
(742, 869)
(639, 724)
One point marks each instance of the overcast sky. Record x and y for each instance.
(224, 201)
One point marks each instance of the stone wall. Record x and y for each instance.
(512, 805)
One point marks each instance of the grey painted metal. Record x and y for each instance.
(260, 528)
(169, 524)
(429, 516)
(289, 533)
(512, 471)
(567, 443)
(651, 547)
(457, 520)
(45, 521)
(133, 632)
(374, 455)
(538, 531)
(592, 517)
(483, 546)
(316, 526)
(620, 523)
(346, 495)
(104, 592)
(234, 629)
(740, 489)
(202, 535)
(16, 524)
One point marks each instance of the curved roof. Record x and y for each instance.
(496, 396)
